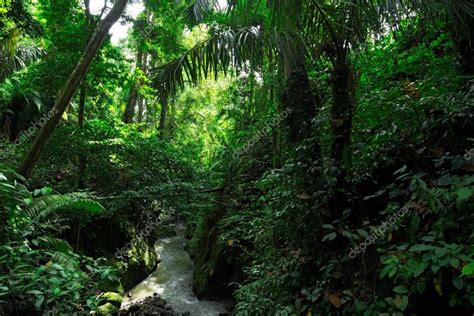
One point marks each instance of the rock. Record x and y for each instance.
(161, 302)
(152, 305)
(134, 308)
(113, 298)
(107, 309)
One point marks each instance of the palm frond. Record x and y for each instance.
(199, 9)
(226, 52)
(460, 12)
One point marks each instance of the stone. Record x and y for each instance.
(107, 309)
(113, 298)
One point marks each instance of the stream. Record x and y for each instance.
(173, 280)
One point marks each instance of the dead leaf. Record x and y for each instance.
(438, 288)
(304, 196)
(230, 242)
(335, 301)
(390, 236)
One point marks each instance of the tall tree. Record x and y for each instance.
(141, 99)
(129, 112)
(71, 86)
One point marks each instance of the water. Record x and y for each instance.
(173, 280)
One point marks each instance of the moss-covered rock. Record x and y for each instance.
(113, 298)
(214, 269)
(142, 260)
(107, 309)
(108, 285)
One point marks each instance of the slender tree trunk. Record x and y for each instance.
(82, 103)
(171, 118)
(71, 86)
(163, 116)
(82, 157)
(465, 43)
(132, 100)
(141, 101)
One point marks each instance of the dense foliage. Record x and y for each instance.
(320, 152)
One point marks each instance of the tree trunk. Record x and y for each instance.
(132, 100)
(343, 89)
(465, 43)
(141, 101)
(82, 157)
(82, 103)
(71, 86)
(299, 99)
(163, 115)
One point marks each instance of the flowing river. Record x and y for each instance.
(173, 280)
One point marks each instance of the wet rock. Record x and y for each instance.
(152, 305)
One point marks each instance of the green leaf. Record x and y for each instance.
(34, 292)
(421, 247)
(328, 226)
(468, 269)
(46, 190)
(458, 283)
(464, 193)
(392, 272)
(435, 268)
(401, 289)
(419, 270)
(454, 263)
(363, 233)
(38, 302)
(329, 237)
(445, 180)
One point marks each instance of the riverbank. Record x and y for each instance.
(169, 288)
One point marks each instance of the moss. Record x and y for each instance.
(113, 298)
(212, 271)
(107, 309)
(107, 285)
(143, 261)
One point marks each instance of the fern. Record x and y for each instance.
(60, 252)
(79, 202)
(55, 244)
